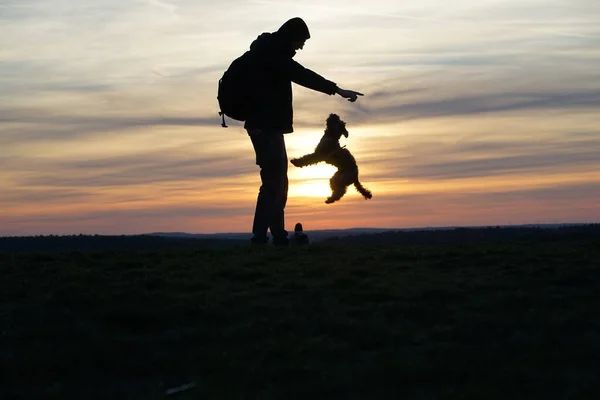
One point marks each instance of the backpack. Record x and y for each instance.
(235, 90)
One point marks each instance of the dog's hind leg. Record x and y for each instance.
(336, 195)
(337, 187)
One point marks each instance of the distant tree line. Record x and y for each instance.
(414, 237)
(484, 235)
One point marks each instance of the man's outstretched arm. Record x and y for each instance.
(310, 79)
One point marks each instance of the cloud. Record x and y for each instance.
(490, 166)
(480, 156)
(104, 123)
(340, 10)
(129, 170)
(558, 204)
(478, 104)
(43, 195)
(23, 126)
(224, 211)
(165, 5)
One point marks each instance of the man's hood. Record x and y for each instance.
(294, 30)
(291, 31)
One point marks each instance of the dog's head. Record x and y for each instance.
(336, 127)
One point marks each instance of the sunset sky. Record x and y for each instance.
(475, 113)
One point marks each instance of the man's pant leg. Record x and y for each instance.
(271, 156)
(277, 222)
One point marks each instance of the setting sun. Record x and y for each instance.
(311, 188)
(311, 181)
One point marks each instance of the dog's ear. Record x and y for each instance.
(343, 128)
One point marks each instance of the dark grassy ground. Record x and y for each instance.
(494, 321)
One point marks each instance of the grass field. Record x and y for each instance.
(496, 321)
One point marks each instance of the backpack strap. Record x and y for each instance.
(222, 114)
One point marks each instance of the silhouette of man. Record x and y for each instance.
(271, 116)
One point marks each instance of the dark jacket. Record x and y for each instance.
(273, 71)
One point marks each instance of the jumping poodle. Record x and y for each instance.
(329, 151)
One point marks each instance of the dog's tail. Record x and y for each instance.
(362, 190)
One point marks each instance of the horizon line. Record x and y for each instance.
(325, 230)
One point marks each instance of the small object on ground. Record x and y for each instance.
(299, 238)
(181, 388)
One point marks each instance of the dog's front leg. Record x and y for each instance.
(307, 159)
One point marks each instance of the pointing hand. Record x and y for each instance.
(351, 95)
